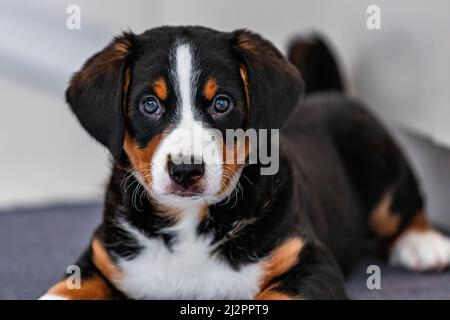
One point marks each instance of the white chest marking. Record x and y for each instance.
(188, 271)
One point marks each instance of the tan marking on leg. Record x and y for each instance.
(382, 220)
(274, 295)
(210, 89)
(281, 260)
(103, 262)
(271, 293)
(94, 288)
(160, 88)
(419, 222)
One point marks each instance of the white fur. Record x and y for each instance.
(189, 138)
(189, 271)
(421, 251)
(52, 297)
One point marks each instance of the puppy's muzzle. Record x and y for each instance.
(186, 176)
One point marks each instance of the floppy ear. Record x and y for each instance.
(96, 93)
(272, 84)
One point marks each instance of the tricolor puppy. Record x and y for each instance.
(179, 224)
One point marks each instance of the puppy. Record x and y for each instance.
(178, 225)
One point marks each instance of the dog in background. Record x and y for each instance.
(169, 229)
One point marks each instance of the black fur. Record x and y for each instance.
(97, 101)
(337, 161)
(318, 65)
(274, 85)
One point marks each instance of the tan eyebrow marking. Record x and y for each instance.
(244, 76)
(160, 88)
(210, 89)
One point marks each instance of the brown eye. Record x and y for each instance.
(222, 104)
(151, 105)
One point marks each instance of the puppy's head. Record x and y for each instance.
(163, 100)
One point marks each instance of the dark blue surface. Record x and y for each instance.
(37, 245)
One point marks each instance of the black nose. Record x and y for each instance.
(186, 174)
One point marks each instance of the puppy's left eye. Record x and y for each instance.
(222, 104)
(151, 105)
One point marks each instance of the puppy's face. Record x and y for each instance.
(178, 96)
(162, 102)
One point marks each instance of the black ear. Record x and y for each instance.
(97, 92)
(272, 83)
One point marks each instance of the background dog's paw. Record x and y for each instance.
(421, 251)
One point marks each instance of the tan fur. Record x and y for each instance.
(210, 89)
(160, 89)
(233, 161)
(106, 61)
(419, 223)
(264, 52)
(103, 262)
(271, 293)
(281, 260)
(141, 157)
(244, 77)
(94, 288)
(383, 221)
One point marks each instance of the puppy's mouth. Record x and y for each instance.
(195, 191)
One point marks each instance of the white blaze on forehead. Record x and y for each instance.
(188, 138)
(186, 78)
(186, 74)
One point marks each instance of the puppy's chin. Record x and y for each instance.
(170, 194)
(196, 190)
(180, 198)
(185, 196)
(185, 199)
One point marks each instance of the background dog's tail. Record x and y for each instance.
(317, 64)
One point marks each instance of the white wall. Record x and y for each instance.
(401, 70)
(45, 156)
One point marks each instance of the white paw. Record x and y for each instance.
(421, 251)
(51, 297)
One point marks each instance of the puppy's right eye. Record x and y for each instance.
(221, 104)
(151, 105)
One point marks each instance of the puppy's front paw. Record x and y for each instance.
(421, 251)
